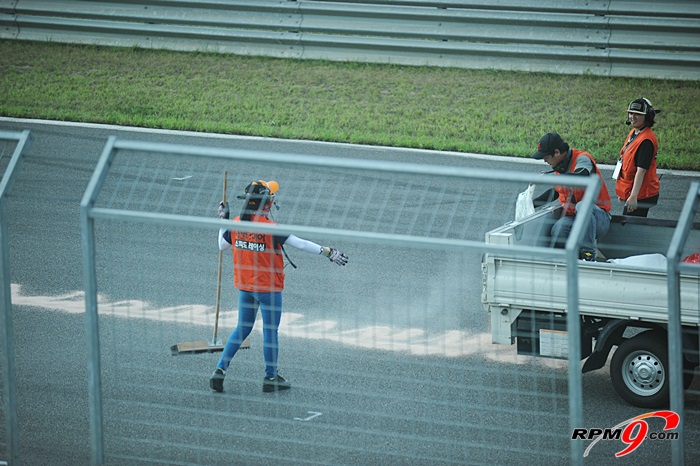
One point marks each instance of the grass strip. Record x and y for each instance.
(480, 111)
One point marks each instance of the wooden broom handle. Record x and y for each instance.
(218, 285)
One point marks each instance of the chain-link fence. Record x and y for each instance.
(390, 357)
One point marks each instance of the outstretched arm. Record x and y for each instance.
(309, 246)
(304, 245)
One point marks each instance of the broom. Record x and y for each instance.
(215, 345)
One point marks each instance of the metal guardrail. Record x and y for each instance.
(643, 38)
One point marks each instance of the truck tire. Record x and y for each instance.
(639, 370)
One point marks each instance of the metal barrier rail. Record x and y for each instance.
(21, 141)
(612, 38)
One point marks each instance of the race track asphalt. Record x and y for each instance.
(390, 356)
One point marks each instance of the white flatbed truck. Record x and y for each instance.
(623, 306)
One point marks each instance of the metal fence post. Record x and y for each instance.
(91, 311)
(675, 347)
(8, 343)
(573, 321)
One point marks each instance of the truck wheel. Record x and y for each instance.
(639, 370)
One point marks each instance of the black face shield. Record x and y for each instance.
(257, 196)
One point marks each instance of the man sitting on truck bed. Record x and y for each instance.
(568, 161)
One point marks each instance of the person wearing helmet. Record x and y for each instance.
(568, 161)
(637, 184)
(258, 270)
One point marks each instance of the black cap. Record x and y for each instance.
(640, 106)
(547, 145)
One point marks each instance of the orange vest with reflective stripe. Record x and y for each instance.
(625, 180)
(603, 200)
(256, 265)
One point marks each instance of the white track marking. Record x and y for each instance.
(416, 341)
(313, 415)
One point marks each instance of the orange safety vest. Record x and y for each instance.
(603, 200)
(256, 265)
(625, 180)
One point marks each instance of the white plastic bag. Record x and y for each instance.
(651, 261)
(524, 205)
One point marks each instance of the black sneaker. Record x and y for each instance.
(217, 380)
(587, 256)
(276, 383)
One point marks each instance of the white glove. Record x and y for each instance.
(223, 210)
(335, 256)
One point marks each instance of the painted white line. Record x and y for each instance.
(365, 147)
(468, 155)
(313, 415)
(137, 129)
(414, 341)
(183, 178)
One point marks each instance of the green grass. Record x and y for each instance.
(489, 112)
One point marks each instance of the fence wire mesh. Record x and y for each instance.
(390, 357)
(7, 147)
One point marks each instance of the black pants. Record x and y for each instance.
(643, 206)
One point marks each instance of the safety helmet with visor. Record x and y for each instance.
(259, 196)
